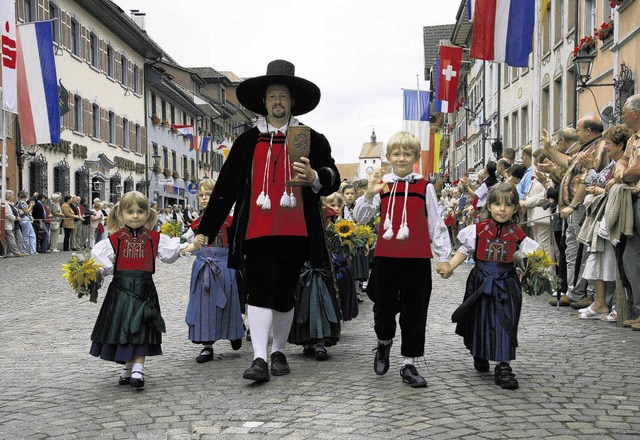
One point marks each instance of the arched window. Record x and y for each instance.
(38, 175)
(61, 178)
(82, 182)
(128, 184)
(115, 188)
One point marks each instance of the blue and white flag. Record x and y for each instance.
(415, 117)
(205, 144)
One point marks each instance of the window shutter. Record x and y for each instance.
(87, 117)
(67, 119)
(132, 137)
(104, 125)
(103, 56)
(20, 10)
(85, 45)
(65, 29)
(130, 75)
(141, 80)
(119, 139)
(143, 141)
(117, 66)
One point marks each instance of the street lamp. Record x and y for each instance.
(622, 85)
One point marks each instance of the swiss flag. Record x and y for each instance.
(448, 76)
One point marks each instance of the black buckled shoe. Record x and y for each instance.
(236, 344)
(205, 355)
(137, 382)
(504, 376)
(258, 371)
(481, 365)
(279, 364)
(381, 361)
(410, 376)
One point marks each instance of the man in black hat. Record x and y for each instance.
(276, 228)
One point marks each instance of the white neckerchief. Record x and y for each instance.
(403, 231)
(288, 200)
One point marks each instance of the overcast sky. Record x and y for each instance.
(361, 53)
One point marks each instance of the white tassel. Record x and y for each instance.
(292, 200)
(387, 222)
(260, 200)
(285, 201)
(267, 203)
(388, 235)
(403, 232)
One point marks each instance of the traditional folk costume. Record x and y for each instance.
(489, 315)
(401, 276)
(129, 323)
(275, 228)
(214, 309)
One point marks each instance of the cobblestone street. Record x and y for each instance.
(578, 379)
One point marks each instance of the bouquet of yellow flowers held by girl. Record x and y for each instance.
(346, 238)
(537, 275)
(171, 228)
(84, 276)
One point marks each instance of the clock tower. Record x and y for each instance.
(370, 157)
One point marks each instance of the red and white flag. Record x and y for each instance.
(9, 55)
(187, 131)
(449, 76)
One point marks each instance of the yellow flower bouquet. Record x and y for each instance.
(537, 276)
(83, 275)
(346, 238)
(171, 228)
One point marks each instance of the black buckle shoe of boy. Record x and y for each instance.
(481, 365)
(236, 344)
(410, 376)
(279, 364)
(504, 376)
(258, 371)
(381, 361)
(205, 355)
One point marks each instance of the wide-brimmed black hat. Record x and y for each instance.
(251, 92)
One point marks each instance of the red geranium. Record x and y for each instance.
(604, 31)
(614, 3)
(586, 44)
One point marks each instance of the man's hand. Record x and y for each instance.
(566, 212)
(304, 170)
(546, 139)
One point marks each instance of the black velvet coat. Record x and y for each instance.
(234, 186)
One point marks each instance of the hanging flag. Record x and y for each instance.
(205, 144)
(437, 104)
(503, 31)
(9, 56)
(187, 131)
(63, 96)
(471, 6)
(448, 76)
(545, 7)
(38, 105)
(415, 115)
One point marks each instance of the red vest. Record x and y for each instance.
(277, 220)
(418, 244)
(135, 252)
(496, 242)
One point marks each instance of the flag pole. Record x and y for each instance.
(419, 120)
(3, 194)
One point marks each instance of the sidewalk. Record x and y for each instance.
(578, 379)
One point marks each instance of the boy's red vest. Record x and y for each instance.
(418, 244)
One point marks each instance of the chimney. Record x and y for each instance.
(138, 17)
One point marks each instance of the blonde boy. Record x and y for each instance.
(410, 229)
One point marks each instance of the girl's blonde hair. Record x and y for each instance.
(133, 198)
(502, 192)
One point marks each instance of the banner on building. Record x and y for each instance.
(9, 56)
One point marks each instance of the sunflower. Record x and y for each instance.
(83, 275)
(344, 228)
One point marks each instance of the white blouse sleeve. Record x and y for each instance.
(528, 245)
(104, 255)
(189, 235)
(365, 209)
(440, 242)
(467, 239)
(169, 248)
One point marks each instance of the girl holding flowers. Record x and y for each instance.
(129, 326)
